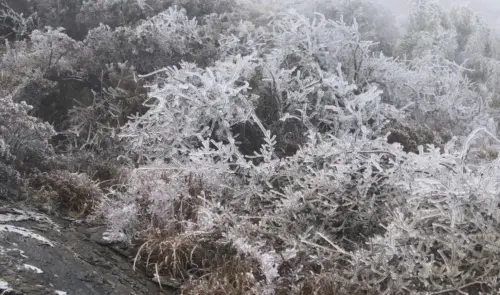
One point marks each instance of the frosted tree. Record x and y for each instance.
(430, 31)
(473, 35)
(374, 21)
(16, 23)
(479, 51)
(117, 12)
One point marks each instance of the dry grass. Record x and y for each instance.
(72, 193)
(233, 277)
(202, 263)
(326, 284)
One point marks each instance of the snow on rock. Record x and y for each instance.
(33, 268)
(4, 287)
(25, 232)
(16, 215)
(4, 251)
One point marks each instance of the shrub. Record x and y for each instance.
(430, 31)
(191, 102)
(25, 139)
(239, 154)
(114, 13)
(333, 207)
(49, 50)
(158, 41)
(94, 124)
(70, 193)
(374, 21)
(10, 181)
(15, 25)
(44, 72)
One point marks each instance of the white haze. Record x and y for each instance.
(489, 9)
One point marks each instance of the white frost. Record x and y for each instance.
(3, 285)
(4, 251)
(33, 268)
(20, 215)
(25, 232)
(114, 236)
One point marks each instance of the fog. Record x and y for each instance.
(489, 9)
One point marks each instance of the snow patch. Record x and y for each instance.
(3, 285)
(33, 268)
(4, 251)
(11, 217)
(111, 236)
(61, 292)
(17, 215)
(25, 232)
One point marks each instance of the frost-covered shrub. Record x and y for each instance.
(474, 37)
(262, 210)
(349, 211)
(91, 137)
(48, 51)
(172, 32)
(14, 24)
(447, 218)
(207, 175)
(46, 73)
(24, 139)
(437, 92)
(33, 89)
(51, 13)
(241, 36)
(10, 179)
(430, 31)
(48, 59)
(191, 102)
(301, 41)
(95, 123)
(374, 21)
(200, 8)
(300, 84)
(162, 40)
(115, 13)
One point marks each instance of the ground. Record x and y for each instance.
(46, 255)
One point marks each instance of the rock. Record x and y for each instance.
(42, 255)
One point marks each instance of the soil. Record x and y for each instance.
(42, 255)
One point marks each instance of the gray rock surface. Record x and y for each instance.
(44, 255)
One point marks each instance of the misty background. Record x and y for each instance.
(489, 9)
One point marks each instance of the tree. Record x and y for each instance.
(429, 31)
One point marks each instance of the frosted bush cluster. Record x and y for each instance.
(347, 201)
(267, 148)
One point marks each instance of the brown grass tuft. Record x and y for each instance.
(71, 193)
(326, 284)
(183, 255)
(235, 276)
(197, 262)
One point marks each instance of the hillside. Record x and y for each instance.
(251, 146)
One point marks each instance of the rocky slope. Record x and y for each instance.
(45, 255)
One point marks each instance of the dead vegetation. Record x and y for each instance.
(61, 191)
